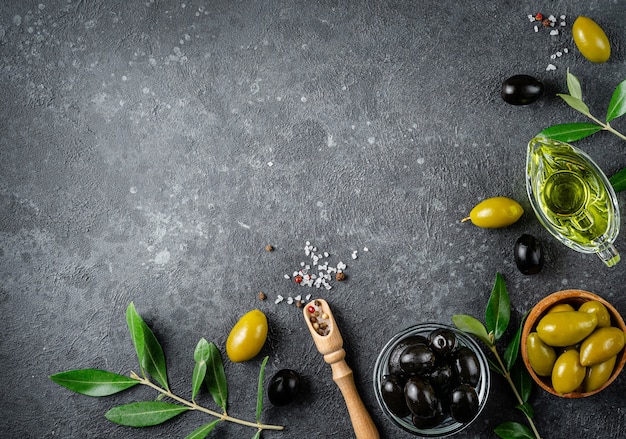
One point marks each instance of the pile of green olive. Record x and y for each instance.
(576, 348)
(432, 379)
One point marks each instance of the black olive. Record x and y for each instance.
(283, 387)
(466, 366)
(420, 397)
(430, 422)
(441, 376)
(394, 356)
(528, 254)
(521, 90)
(463, 403)
(442, 341)
(392, 390)
(417, 358)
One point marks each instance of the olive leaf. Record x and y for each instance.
(144, 414)
(200, 356)
(511, 351)
(618, 180)
(513, 430)
(149, 351)
(216, 378)
(471, 325)
(522, 381)
(259, 393)
(570, 132)
(576, 103)
(93, 382)
(498, 312)
(617, 106)
(203, 431)
(573, 86)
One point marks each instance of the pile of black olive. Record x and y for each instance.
(432, 379)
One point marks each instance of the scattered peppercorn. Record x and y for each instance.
(539, 17)
(269, 248)
(298, 279)
(340, 276)
(546, 22)
(262, 296)
(299, 303)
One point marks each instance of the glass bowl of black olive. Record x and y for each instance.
(432, 380)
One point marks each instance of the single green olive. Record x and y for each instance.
(567, 374)
(560, 307)
(247, 337)
(591, 40)
(495, 212)
(593, 306)
(566, 328)
(540, 355)
(598, 374)
(601, 345)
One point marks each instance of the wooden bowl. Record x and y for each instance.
(574, 298)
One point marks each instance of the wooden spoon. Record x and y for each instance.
(329, 343)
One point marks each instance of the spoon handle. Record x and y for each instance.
(362, 423)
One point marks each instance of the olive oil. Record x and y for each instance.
(572, 198)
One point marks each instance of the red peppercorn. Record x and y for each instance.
(310, 309)
(539, 17)
(298, 279)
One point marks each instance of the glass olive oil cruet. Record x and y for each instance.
(572, 198)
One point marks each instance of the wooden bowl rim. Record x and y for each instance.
(573, 297)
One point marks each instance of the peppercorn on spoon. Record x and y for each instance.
(329, 343)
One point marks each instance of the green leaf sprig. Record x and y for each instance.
(570, 132)
(208, 369)
(497, 318)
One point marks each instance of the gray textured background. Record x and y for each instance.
(149, 150)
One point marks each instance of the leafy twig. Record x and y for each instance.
(209, 369)
(570, 132)
(497, 317)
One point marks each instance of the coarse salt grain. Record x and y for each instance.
(554, 32)
(550, 67)
(536, 28)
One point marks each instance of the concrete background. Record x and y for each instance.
(149, 150)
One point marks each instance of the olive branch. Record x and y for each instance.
(208, 370)
(497, 317)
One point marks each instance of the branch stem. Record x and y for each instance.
(194, 406)
(605, 126)
(507, 376)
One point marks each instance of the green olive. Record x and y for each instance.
(494, 213)
(247, 337)
(568, 374)
(598, 374)
(560, 307)
(591, 40)
(593, 306)
(566, 328)
(601, 345)
(540, 355)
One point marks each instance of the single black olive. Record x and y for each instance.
(521, 90)
(417, 358)
(392, 390)
(463, 403)
(421, 398)
(441, 377)
(442, 341)
(528, 254)
(466, 366)
(283, 387)
(394, 356)
(431, 422)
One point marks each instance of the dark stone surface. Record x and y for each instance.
(149, 150)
